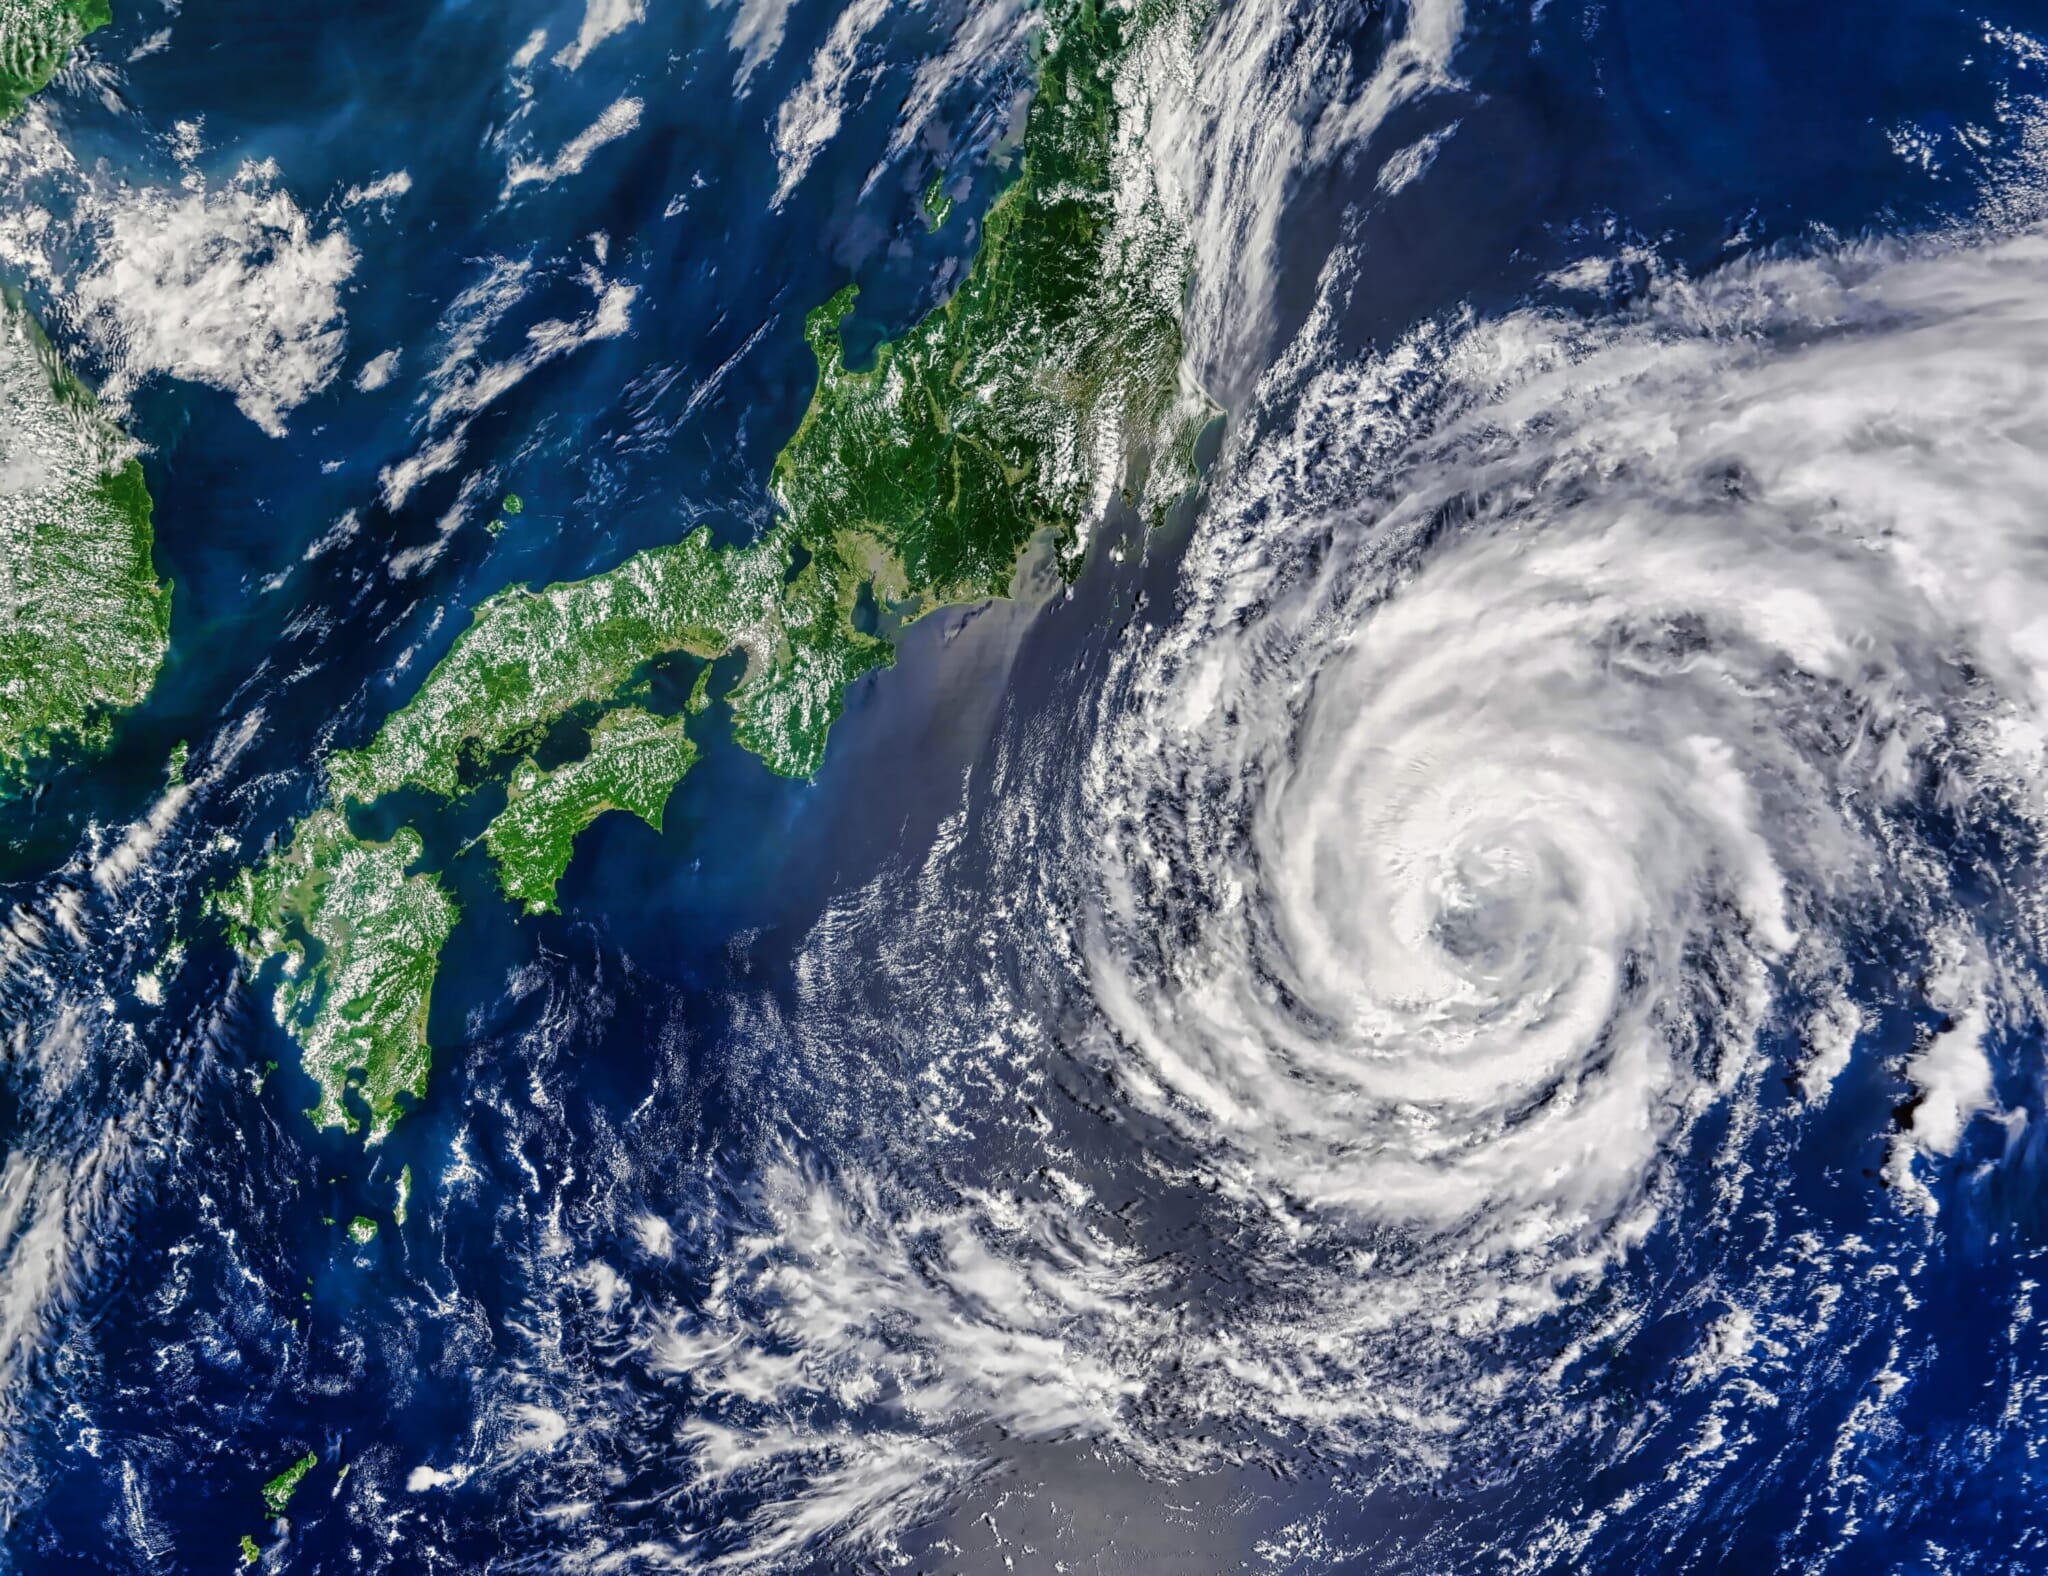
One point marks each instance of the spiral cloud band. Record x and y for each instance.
(1472, 827)
(1575, 743)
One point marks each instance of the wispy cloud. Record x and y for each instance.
(232, 288)
(621, 117)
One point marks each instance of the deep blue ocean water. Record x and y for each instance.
(226, 1327)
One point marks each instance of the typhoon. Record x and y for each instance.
(1573, 743)
(1487, 812)
(1333, 730)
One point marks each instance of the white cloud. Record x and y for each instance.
(1269, 93)
(229, 288)
(464, 381)
(601, 19)
(422, 1478)
(809, 117)
(1412, 162)
(396, 184)
(401, 480)
(1830, 1041)
(757, 34)
(341, 531)
(622, 117)
(1952, 1074)
(466, 385)
(990, 35)
(377, 371)
(112, 870)
(188, 139)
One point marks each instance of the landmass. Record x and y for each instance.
(360, 939)
(84, 622)
(36, 38)
(1046, 386)
(277, 1493)
(635, 759)
(937, 205)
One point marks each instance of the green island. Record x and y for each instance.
(635, 759)
(360, 939)
(36, 38)
(277, 1493)
(937, 205)
(1004, 421)
(250, 1553)
(84, 622)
